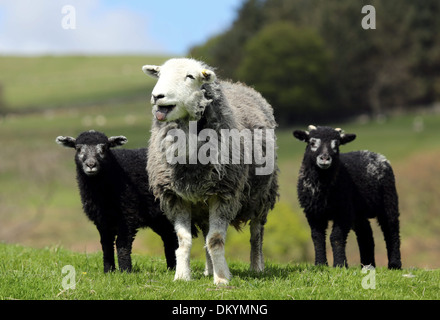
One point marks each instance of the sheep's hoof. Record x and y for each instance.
(222, 278)
(184, 277)
(397, 265)
(257, 268)
(221, 281)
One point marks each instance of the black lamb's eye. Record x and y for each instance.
(190, 76)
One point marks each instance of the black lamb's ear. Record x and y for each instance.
(347, 137)
(67, 142)
(301, 135)
(117, 141)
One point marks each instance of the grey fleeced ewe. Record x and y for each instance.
(211, 194)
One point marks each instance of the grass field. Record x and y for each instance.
(27, 273)
(40, 205)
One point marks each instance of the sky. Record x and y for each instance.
(171, 27)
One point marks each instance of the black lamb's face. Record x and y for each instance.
(323, 144)
(92, 149)
(90, 157)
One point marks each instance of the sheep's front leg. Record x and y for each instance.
(208, 264)
(182, 225)
(215, 240)
(124, 243)
(338, 240)
(318, 228)
(108, 249)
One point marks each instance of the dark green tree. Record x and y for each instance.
(226, 50)
(395, 65)
(289, 66)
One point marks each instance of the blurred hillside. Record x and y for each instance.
(52, 82)
(313, 60)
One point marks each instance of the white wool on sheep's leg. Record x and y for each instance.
(257, 259)
(215, 241)
(208, 265)
(183, 231)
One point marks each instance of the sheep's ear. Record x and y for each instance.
(117, 141)
(67, 142)
(207, 76)
(347, 137)
(151, 70)
(301, 135)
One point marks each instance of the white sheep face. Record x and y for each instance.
(178, 93)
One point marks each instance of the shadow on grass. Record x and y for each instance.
(273, 270)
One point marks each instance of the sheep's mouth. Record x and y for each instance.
(162, 111)
(324, 164)
(91, 171)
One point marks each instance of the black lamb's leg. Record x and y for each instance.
(171, 244)
(338, 240)
(318, 229)
(390, 229)
(389, 223)
(108, 249)
(124, 244)
(365, 240)
(166, 231)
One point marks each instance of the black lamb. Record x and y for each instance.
(348, 188)
(115, 195)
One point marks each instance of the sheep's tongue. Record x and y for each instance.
(160, 115)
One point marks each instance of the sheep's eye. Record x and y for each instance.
(315, 143)
(190, 76)
(334, 144)
(100, 149)
(81, 154)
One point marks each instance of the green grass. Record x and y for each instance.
(27, 273)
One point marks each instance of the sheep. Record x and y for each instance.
(348, 188)
(190, 102)
(115, 194)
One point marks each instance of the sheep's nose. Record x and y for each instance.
(157, 97)
(324, 157)
(91, 164)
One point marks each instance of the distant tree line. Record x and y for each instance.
(312, 59)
